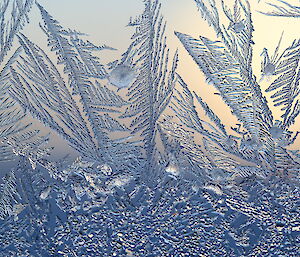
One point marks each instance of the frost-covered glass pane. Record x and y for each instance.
(149, 128)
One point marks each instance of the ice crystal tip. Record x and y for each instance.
(45, 193)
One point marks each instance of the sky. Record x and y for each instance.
(105, 22)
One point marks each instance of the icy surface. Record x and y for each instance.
(158, 172)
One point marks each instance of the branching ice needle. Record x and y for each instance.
(269, 65)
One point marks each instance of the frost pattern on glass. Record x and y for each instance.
(157, 172)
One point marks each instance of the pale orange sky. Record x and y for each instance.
(105, 21)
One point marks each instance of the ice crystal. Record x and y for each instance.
(121, 76)
(157, 172)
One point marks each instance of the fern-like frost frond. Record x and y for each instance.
(151, 91)
(283, 10)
